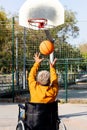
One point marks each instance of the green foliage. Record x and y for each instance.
(61, 34)
(69, 28)
(83, 50)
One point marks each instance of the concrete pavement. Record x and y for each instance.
(8, 116)
(73, 115)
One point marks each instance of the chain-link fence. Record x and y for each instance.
(18, 46)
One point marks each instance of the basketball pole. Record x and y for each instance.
(52, 40)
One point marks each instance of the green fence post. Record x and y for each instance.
(13, 59)
(66, 85)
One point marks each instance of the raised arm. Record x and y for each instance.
(34, 69)
(53, 74)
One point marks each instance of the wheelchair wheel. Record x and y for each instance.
(60, 125)
(20, 125)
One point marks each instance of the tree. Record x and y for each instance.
(67, 30)
(83, 50)
(5, 40)
(33, 38)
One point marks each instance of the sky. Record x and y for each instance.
(78, 6)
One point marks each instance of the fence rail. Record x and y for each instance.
(18, 46)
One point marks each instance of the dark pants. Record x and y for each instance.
(41, 116)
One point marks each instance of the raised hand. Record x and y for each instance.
(37, 58)
(53, 63)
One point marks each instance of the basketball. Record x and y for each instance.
(46, 47)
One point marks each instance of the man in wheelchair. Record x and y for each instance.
(41, 111)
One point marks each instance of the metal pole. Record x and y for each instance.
(13, 58)
(24, 61)
(52, 40)
(17, 72)
(51, 57)
(66, 85)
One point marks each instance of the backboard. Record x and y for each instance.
(50, 10)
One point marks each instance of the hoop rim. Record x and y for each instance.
(34, 20)
(39, 21)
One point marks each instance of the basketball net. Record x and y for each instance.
(38, 23)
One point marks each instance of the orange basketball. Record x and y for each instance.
(46, 47)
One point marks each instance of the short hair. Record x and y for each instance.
(43, 77)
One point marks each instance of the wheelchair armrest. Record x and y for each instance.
(21, 106)
(58, 100)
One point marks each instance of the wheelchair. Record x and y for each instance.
(39, 116)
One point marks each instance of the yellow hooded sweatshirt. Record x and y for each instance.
(40, 93)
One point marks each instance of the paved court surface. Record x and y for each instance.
(8, 116)
(73, 115)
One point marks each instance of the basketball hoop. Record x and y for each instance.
(40, 23)
(37, 14)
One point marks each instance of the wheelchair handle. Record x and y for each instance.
(21, 106)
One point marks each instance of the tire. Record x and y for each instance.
(60, 125)
(20, 125)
